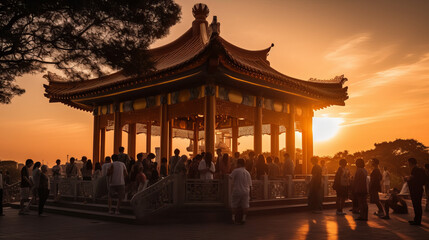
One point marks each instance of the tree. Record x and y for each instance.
(82, 38)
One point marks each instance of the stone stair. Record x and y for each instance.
(92, 209)
(188, 213)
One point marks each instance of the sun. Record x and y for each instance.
(325, 128)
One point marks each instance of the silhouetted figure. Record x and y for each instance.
(123, 157)
(249, 162)
(173, 160)
(140, 158)
(234, 160)
(193, 172)
(324, 168)
(225, 165)
(288, 166)
(396, 203)
(35, 178)
(218, 161)
(163, 167)
(86, 170)
(25, 185)
(261, 167)
(386, 180)
(71, 169)
(241, 186)
(360, 190)
(106, 165)
(426, 187)
(97, 170)
(56, 173)
(206, 167)
(148, 167)
(415, 182)
(117, 173)
(180, 167)
(341, 185)
(273, 169)
(375, 187)
(315, 194)
(43, 189)
(154, 175)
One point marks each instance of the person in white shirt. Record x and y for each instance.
(386, 180)
(206, 167)
(117, 173)
(241, 187)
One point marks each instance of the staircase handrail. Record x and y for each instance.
(156, 197)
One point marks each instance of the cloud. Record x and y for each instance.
(52, 125)
(355, 52)
(345, 53)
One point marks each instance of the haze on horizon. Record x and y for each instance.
(382, 47)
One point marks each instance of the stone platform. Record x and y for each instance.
(296, 225)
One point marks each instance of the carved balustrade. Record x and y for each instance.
(159, 196)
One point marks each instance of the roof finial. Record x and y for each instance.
(215, 26)
(200, 11)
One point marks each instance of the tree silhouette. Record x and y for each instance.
(82, 38)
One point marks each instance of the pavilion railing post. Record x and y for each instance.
(94, 189)
(226, 183)
(175, 190)
(75, 189)
(265, 187)
(289, 180)
(307, 182)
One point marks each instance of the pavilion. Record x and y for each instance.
(201, 84)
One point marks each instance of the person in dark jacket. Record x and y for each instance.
(415, 182)
(360, 190)
(341, 185)
(261, 167)
(43, 189)
(315, 194)
(375, 187)
(396, 203)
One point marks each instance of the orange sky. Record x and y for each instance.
(382, 47)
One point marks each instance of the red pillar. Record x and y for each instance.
(164, 127)
(103, 145)
(257, 136)
(290, 134)
(117, 141)
(96, 140)
(274, 140)
(209, 119)
(132, 134)
(148, 137)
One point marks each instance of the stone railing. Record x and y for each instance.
(74, 188)
(12, 193)
(197, 190)
(159, 196)
(287, 187)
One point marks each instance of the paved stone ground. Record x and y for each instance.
(302, 225)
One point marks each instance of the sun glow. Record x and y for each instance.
(325, 128)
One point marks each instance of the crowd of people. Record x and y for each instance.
(362, 185)
(120, 177)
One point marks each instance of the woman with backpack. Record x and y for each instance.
(341, 185)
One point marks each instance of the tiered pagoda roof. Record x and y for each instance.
(201, 47)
